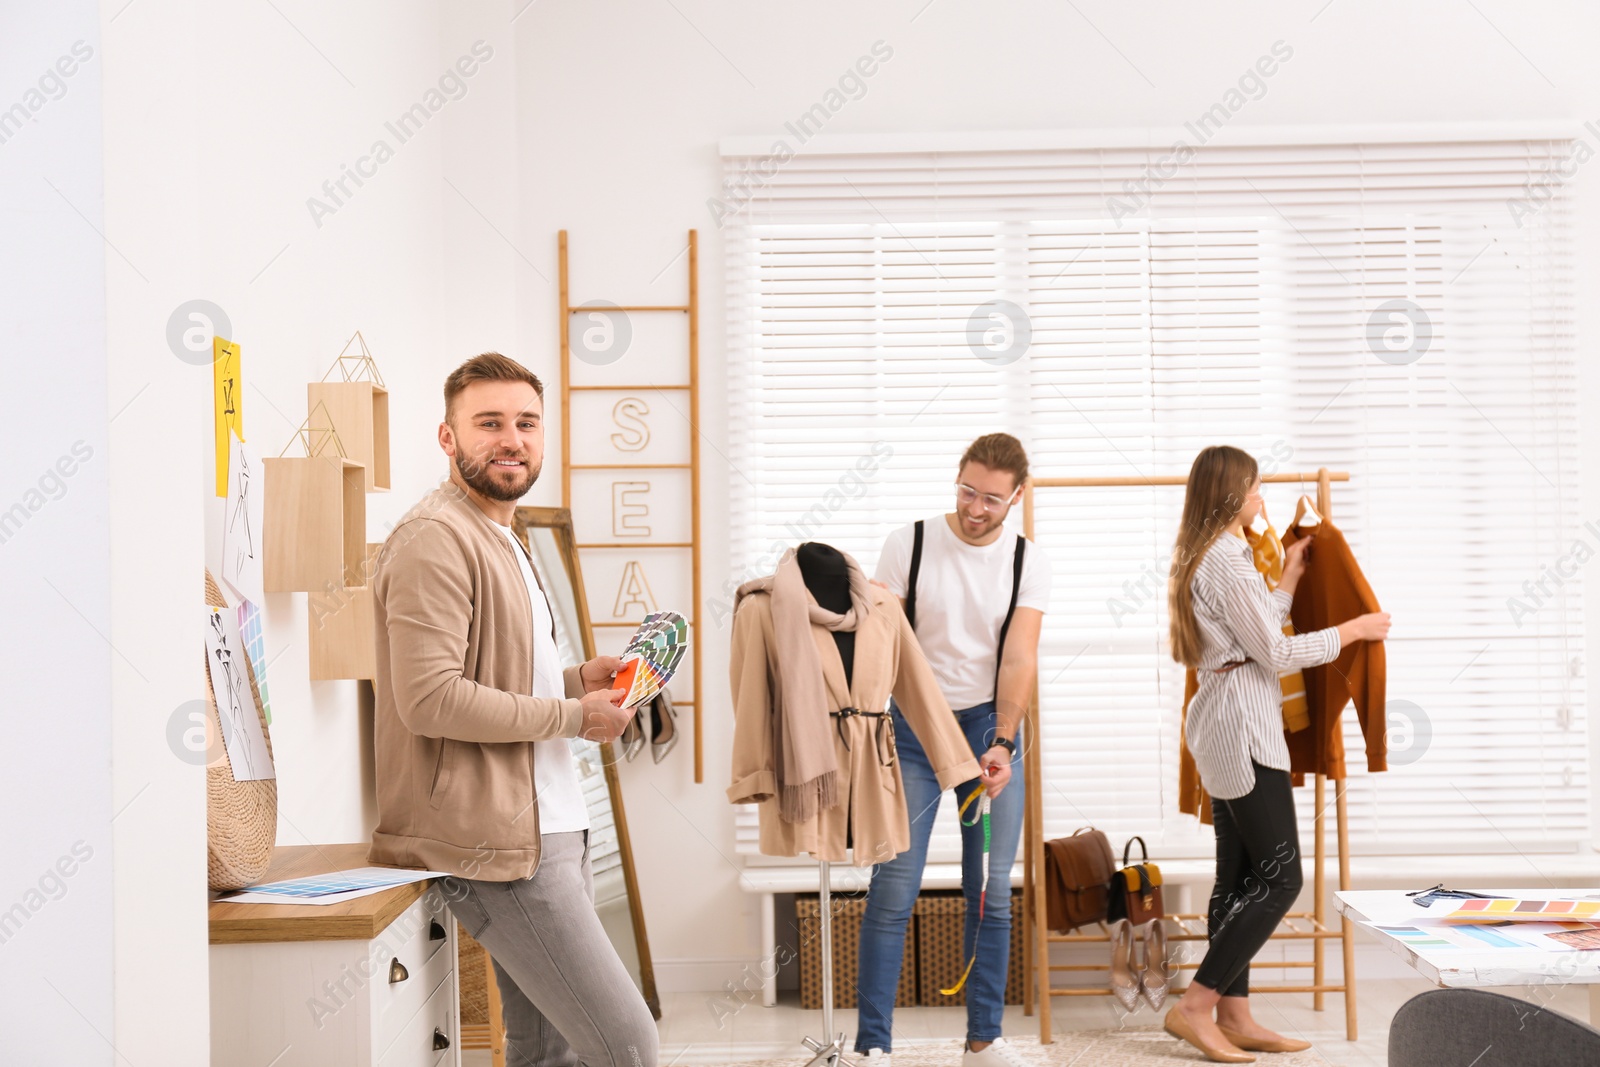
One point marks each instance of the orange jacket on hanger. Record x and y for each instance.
(1333, 590)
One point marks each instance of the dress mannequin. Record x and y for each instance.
(791, 701)
(828, 578)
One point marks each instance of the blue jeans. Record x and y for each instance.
(895, 886)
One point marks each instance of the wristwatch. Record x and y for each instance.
(1005, 743)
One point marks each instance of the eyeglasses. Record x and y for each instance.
(967, 495)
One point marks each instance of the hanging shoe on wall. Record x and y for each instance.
(633, 734)
(665, 734)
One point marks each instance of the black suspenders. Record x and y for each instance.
(1011, 609)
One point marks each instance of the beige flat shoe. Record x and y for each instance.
(1282, 1044)
(1179, 1027)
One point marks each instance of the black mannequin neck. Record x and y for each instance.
(827, 576)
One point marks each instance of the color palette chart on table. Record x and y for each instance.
(1497, 911)
(652, 656)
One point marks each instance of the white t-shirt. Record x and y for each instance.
(555, 774)
(962, 593)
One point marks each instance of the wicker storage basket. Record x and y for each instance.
(241, 817)
(940, 921)
(847, 913)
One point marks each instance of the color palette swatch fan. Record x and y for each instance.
(652, 656)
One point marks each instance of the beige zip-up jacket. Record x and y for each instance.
(887, 660)
(454, 724)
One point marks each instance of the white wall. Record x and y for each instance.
(622, 106)
(221, 121)
(56, 670)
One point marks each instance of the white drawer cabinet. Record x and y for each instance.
(299, 986)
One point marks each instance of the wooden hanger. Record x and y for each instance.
(1305, 513)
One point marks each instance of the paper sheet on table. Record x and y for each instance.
(236, 708)
(1434, 938)
(335, 887)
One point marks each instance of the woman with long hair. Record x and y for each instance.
(1229, 628)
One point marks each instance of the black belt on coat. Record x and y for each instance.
(1231, 665)
(885, 731)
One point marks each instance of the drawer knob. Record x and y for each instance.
(435, 931)
(397, 971)
(439, 1040)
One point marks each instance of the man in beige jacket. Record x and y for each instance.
(474, 773)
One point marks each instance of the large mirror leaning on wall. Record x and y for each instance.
(548, 534)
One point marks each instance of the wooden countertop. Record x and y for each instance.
(361, 919)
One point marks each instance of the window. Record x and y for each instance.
(1397, 309)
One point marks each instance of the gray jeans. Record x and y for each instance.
(566, 996)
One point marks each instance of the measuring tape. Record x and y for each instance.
(982, 797)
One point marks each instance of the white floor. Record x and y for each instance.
(690, 1034)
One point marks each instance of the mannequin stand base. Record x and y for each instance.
(829, 1055)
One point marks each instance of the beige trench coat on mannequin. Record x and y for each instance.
(873, 808)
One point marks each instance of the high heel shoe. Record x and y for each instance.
(665, 736)
(1124, 982)
(634, 734)
(1251, 1044)
(1153, 976)
(1178, 1025)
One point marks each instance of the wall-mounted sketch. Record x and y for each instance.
(242, 524)
(628, 514)
(227, 411)
(248, 755)
(633, 589)
(629, 414)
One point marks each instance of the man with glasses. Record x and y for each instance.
(976, 595)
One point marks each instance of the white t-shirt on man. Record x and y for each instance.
(555, 775)
(962, 594)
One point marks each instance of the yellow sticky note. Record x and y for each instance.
(226, 397)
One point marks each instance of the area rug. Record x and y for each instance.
(1131, 1047)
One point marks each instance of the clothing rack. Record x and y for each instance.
(1037, 937)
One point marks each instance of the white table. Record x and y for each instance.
(1489, 966)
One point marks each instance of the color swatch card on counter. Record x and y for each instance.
(1503, 910)
(652, 656)
(335, 887)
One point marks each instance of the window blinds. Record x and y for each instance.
(1401, 310)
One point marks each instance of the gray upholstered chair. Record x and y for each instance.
(1455, 1027)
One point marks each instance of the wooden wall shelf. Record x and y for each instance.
(316, 523)
(359, 412)
(341, 630)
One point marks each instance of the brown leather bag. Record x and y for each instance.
(1078, 872)
(1136, 889)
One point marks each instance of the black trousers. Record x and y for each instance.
(1258, 878)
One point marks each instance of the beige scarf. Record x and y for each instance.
(807, 772)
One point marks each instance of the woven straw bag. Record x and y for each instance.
(241, 817)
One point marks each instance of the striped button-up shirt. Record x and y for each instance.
(1237, 716)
